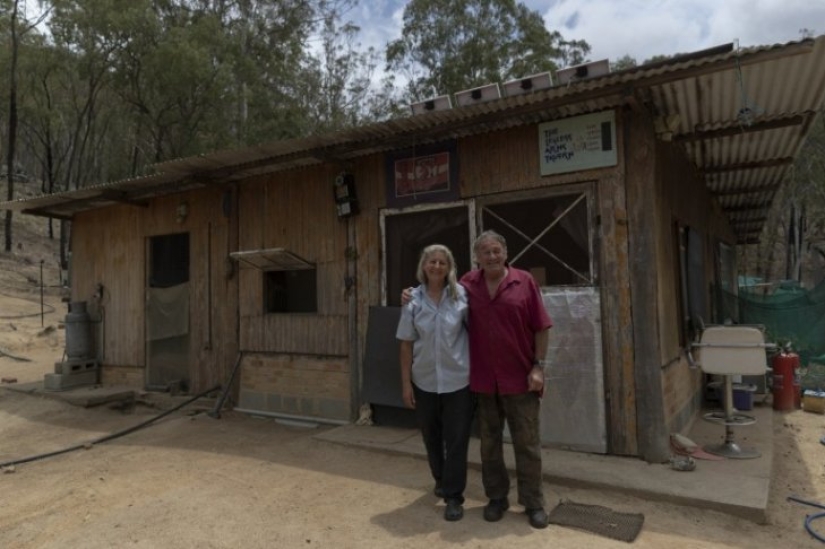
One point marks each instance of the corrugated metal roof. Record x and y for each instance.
(741, 116)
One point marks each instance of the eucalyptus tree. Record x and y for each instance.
(337, 74)
(171, 76)
(11, 136)
(17, 28)
(804, 206)
(88, 31)
(450, 45)
(268, 40)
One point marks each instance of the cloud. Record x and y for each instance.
(380, 21)
(644, 28)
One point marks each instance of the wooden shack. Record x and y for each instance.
(625, 194)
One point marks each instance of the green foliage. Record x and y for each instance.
(450, 45)
(622, 63)
(110, 87)
(792, 244)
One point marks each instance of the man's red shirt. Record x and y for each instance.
(502, 331)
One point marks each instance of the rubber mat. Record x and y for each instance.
(598, 520)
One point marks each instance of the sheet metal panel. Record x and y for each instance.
(573, 408)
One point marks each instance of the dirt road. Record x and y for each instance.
(193, 481)
(244, 482)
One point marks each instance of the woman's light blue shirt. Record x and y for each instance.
(441, 356)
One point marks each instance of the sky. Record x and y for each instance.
(639, 28)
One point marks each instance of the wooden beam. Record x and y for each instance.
(751, 190)
(640, 175)
(761, 164)
(735, 128)
(747, 208)
(123, 198)
(45, 213)
(751, 221)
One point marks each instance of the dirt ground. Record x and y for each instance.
(189, 480)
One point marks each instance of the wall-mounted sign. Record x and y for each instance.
(424, 174)
(578, 143)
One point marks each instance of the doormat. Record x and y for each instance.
(598, 520)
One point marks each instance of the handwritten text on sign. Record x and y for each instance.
(578, 143)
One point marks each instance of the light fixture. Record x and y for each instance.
(528, 84)
(440, 103)
(585, 70)
(478, 95)
(181, 212)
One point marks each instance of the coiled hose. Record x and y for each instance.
(110, 436)
(809, 519)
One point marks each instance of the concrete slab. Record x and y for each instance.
(63, 382)
(734, 486)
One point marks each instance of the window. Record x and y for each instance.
(727, 267)
(692, 282)
(291, 291)
(726, 305)
(550, 236)
(289, 281)
(168, 260)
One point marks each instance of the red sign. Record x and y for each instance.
(422, 174)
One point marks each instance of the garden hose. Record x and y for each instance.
(110, 436)
(809, 519)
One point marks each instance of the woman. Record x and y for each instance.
(435, 372)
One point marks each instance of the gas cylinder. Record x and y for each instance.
(787, 393)
(78, 331)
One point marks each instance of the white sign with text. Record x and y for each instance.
(578, 143)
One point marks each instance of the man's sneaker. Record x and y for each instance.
(495, 508)
(438, 490)
(454, 511)
(537, 517)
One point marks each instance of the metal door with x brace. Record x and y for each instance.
(551, 235)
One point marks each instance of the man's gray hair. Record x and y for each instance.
(491, 235)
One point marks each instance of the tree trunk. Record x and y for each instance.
(12, 123)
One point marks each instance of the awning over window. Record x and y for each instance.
(271, 259)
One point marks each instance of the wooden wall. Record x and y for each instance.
(109, 248)
(508, 161)
(310, 364)
(686, 200)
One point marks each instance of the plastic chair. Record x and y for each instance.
(728, 351)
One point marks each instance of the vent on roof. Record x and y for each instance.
(528, 84)
(585, 70)
(478, 95)
(440, 103)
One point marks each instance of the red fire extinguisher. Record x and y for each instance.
(787, 393)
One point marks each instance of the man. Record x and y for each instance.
(508, 330)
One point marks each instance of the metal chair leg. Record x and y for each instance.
(729, 448)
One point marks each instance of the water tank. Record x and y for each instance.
(78, 331)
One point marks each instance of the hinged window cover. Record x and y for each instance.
(271, 259)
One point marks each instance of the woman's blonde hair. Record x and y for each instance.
(452, 284)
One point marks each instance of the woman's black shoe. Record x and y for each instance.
(454, 511)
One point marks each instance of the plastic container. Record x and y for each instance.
(813, 401)
(743, 396)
